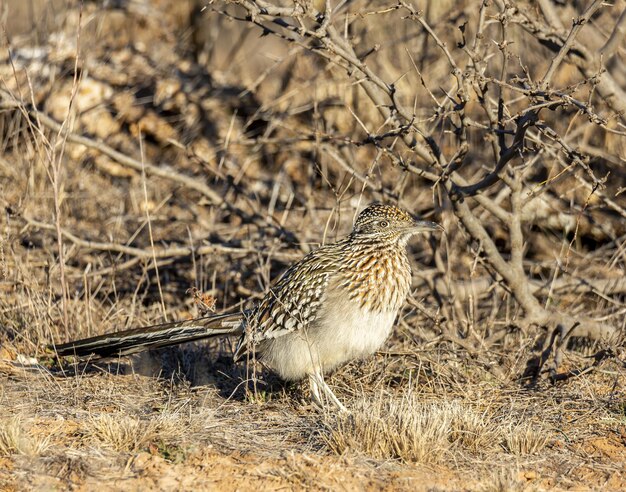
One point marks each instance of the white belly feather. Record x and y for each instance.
(351, 332)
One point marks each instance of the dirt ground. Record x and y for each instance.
(164, 434)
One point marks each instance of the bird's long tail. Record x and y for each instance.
(139, 339)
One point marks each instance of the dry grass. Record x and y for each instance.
(478, 436)
(15, 439)
(523, 439)
(504, 480)
(125, 434)
(383, 429)
(413, 431)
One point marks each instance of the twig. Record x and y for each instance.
(150, 169)
(577, 26)
(524, 123)
(616, 37)
(166, 252)
(149, 222)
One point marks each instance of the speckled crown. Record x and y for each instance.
(378, 211)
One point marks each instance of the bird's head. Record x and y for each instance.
(388, 223)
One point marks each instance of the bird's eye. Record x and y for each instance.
(383, 223)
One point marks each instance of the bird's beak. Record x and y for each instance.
(426, 225)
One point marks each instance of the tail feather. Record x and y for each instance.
(138, 339)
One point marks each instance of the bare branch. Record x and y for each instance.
(523, 124)
(576, 27)
(616, 37)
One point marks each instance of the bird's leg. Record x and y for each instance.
(315, 392)
(329, 393)
(317, 382)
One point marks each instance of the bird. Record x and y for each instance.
(336, 304)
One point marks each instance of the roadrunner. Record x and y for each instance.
(336, 304)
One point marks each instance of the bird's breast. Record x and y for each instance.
(377, 281)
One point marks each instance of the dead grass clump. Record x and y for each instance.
(525, 438)
(123, 433)
(473, 430)
(401, 429)
(503, 480)
(15, 440)
(410, 430)
(413, 431)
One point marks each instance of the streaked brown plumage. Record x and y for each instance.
(336, 304)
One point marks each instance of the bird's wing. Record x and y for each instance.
(292, 303)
